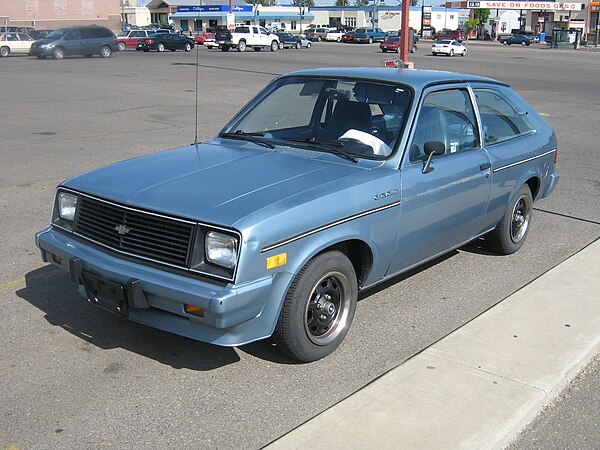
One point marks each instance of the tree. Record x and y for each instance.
(342, 3)
(305, 3)
(361, 2)
(470, 25)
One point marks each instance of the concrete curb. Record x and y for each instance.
(482, 384)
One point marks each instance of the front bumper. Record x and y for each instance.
(233, 314)
(41, 51)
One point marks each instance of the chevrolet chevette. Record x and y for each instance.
(327, 183)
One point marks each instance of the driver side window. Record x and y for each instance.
(448, 117)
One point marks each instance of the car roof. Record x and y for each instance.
(417, 78)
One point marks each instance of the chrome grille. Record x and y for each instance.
(134, 232)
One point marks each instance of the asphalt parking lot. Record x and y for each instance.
(73, 376)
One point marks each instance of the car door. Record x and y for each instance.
(23, 44)
(73, 42)
(443, 207)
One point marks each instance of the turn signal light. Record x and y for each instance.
(193, 310)
(555, 155)
(57, 259)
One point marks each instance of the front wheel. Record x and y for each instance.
(463, 53)
(187, 47)
(318, 308)
(160, 47)
(308, 45)
(274, 46)
(298, 45)
(319, 38)
(122, 46)
(451, 54)
(58, 53)
(105, 51)
(4, 52)
(370, 40)
(510, 233)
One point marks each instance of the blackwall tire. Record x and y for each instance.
(511, 232)
(241, 46)
(318, 308)
(160, 47)
(58, 53)
(122, 46)
(105, 51)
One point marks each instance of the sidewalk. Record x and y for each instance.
(479, 386)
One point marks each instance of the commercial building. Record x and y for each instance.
(51, 14)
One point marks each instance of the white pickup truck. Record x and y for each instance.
(247, 36)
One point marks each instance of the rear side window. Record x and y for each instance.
(89, 33)
(500, 118)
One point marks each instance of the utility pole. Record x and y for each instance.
(404, 51)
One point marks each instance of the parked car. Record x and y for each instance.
(446, 34)
(348, 36)
(316, 34)
(392, 44)
(86, 41)
(448, 47)
(521, 39)
(369, 35)
(165, 41)
(39, 34)
(275, 226)
(288, 40)
(201, 37)
(17, 43)
(129, 39)
(334, 35)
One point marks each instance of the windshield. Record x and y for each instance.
(363, 118)
(123, 34)
(57, 34)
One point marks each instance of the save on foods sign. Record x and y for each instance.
(552, 6)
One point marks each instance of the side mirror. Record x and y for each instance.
(432, 148)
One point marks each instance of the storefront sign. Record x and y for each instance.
(215, 8)
(595, 6)
(552, 6)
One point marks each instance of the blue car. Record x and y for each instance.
(274, 227)
(369, 35)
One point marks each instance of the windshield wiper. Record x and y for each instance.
(329, 146)
(256, 138)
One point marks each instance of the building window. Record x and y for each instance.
(350, 21)
(293, 24)
(439, 17)
(451, 16)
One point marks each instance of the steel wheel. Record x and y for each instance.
(328, 308)
(510, 233)
(520, 219)
(318, 308)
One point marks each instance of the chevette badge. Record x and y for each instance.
(386, 194)
(122, 229)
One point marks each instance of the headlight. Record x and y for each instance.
(221, 249)
(65, 209)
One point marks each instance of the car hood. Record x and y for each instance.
(216, 183)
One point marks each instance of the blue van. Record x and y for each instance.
(86, 41)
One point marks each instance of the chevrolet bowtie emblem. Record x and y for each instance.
(122, 229)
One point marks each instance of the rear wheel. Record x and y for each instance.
(4, 52)
(187, 47)
(122, 46)
(298, 45)
(451, 54)
(318, 308)
(58, 53)
(384, 50)
(241, 46)
(281, 46)
(160, 47)
(463, 53)
(319, 38)
(308, 44)
(105, 51)
(370, 40)
(510, 233)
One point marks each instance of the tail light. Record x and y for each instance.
(150, 41)
(555, 155)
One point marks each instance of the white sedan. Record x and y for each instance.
(448, 47)
(14, 43)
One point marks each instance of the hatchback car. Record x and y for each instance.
(449, 48)
(520, 39)
(86, 41)
(275, 226)
(129, 39)
(165, 41)
(14, 43)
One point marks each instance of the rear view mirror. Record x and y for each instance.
(432, 148)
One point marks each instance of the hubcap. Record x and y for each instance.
(327, 308)
(520, 219)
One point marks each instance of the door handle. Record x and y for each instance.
(485, 166)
